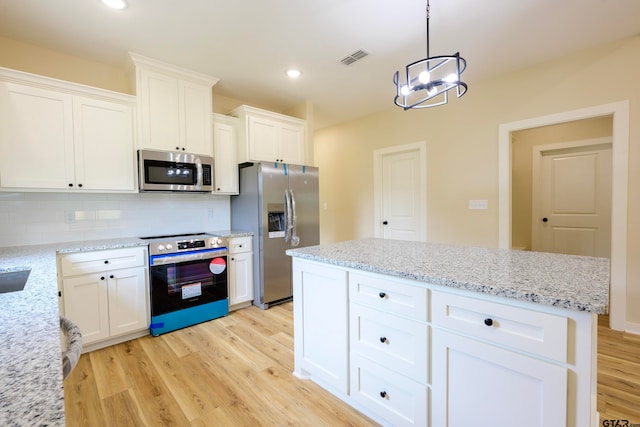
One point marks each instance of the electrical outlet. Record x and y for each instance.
(69, 217)
(478, 204)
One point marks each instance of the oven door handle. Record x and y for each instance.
(176, 258)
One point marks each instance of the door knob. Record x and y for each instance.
(545, 219)
(385, 222)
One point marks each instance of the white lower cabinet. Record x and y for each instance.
(321, 335)
(478, 384)
(240, 272)
(389, 349)
(106, 294)
(397, 399)
(414, 354)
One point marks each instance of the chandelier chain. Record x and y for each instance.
(428, 10)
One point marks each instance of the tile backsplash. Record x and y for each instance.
(37, 218)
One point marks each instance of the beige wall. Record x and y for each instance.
(46, 62)
(522, 158)
(37, 60)
(462, 141)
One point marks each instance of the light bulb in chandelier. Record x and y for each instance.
(424, 77)
(451, 78)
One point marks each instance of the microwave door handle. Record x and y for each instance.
(295, 240)
(199, 174)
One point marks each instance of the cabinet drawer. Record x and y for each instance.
(527, 330)
(240, 244)
(396, 398)
(92, 262)
(389, 296)
(397, 343)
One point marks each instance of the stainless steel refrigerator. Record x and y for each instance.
(279, 203)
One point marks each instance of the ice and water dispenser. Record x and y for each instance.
(276, 219)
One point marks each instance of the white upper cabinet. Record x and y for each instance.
(57, 135)
(224, 154)
(174, 107)
(268, 136)
(104, 147)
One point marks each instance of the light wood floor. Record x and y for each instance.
(236, 371)
(232, 371)
(618, 374)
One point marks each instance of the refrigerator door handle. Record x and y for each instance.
(288, 226)
(295, 240)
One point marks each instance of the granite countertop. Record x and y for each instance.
(231, 233)
(566, 281)
(31, 386)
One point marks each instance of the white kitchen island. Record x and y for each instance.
(421, 334)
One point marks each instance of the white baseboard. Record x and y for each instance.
(632, 328)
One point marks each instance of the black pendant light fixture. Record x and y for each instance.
(428, 81)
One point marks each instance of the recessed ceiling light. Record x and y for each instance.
(115, 4)
(294, 74)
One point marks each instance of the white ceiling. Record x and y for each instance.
(248, 44)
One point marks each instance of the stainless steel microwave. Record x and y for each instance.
(174, 171)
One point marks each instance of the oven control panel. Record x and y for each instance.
(164, 246)
(190, 244)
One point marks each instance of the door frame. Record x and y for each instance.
(537, 154)
(421, 148)
(619, 194)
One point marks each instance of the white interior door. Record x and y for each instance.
(400, 192)
(572, 198)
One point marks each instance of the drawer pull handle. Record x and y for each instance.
(488, 321)
(101, 277)
(383, 339)
(382, 294)
(383, 394)
(111, 276)
(106, 261)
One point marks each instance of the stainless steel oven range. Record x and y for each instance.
(187, 279)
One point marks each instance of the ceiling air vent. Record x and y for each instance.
(355, 56)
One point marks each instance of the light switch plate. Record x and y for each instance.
(478, 204)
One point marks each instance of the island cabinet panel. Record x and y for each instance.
(397, 399)
(321, 324)
(527, 330)
(420, 354)
(475, 383)
(394, 342)
(389, 348)
(391, 296)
